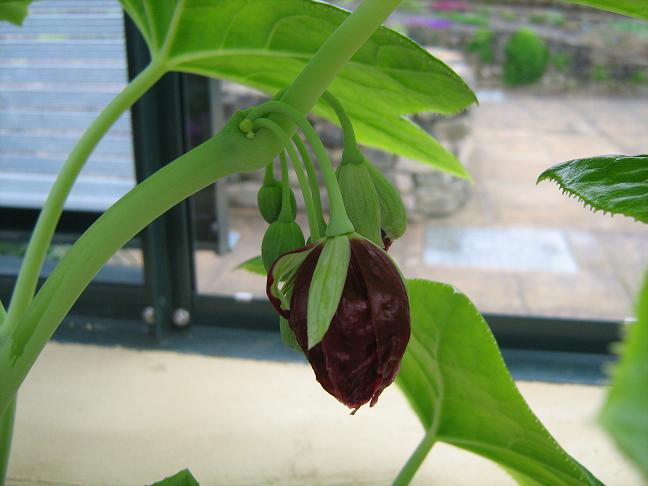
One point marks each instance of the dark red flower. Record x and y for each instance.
(360, 354)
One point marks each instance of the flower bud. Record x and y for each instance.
(360, 199)
(359, 355)
(280, 237)
(393, 217)
(269, 201)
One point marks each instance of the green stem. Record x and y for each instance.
(308, 200)
(339, 222)
(312, 181)
(350, 146)
(285, 215)
(306, 91)
(53, 207)
(6, 434)
(6, 424)
(268, 175)
(416, 459)
(311, 209)
(164, 189)
(224, 154)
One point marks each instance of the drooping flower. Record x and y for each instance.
(360, 352)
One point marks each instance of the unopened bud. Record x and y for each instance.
(360, 199)
(269, 201)
(280, 237)
(393, 217)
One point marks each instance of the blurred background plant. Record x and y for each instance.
(526, 58)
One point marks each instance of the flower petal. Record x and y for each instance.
(389, 307)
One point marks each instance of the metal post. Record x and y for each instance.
(167, 248)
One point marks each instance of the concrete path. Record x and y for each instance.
(111, 416)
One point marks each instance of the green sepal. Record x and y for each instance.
(269, 201)
(287, 335)
(284, 272)
(360, 199)
(280, 237)
(326, 287)
(393, 217)
(253, 265)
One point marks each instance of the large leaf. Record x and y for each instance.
(457, 383)
(617, 184)
(625, 413)
(14, 11)
(265, 44)
(632, 8)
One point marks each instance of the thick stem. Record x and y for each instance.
(306, 91)
(414, 462)
(226, 153)
(312, 181)
(6, 425)
(285, 215)
(339, 222)
(6, 434)
(308, 200)
(53, 207)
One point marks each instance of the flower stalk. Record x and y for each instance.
(339, 223)
(312, 181)
(350, 146)
(313, 225)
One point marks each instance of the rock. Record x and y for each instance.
(404, 182)
(383, 160)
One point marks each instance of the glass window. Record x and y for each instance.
(513, 246)
(58, 71)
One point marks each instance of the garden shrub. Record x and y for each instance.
(526, 56)
(481, 44)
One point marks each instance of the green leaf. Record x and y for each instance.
(632, 8)
(287, 335)
(457, 383)
(617, 184)
(265, 44)
(253, 265)
(182, 478)
(326, 287)
(625, 413)
(14, 11)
